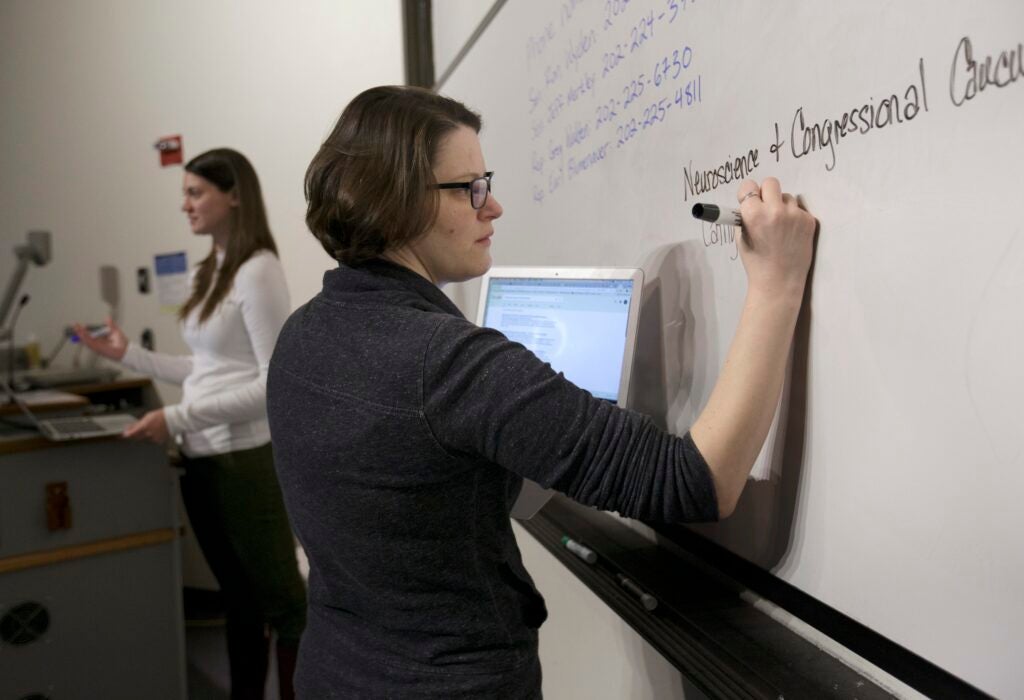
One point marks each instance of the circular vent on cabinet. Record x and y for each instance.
(24, 623)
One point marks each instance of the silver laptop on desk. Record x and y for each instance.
(74, 428)
(581, 320)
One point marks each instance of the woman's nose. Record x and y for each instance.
(492, 208)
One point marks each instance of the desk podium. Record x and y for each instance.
(90, 567)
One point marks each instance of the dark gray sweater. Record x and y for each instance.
(401, 434)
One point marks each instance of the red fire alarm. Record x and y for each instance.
(170, 150)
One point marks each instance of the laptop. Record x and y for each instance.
(582, 321)
(74, 428)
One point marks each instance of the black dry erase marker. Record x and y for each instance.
(715, 214)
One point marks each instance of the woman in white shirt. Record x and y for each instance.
(238, 304)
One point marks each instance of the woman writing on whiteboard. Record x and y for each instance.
(238, 303)
(402, 431)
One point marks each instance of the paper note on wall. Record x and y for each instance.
(172, 288)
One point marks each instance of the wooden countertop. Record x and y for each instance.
(44, 400)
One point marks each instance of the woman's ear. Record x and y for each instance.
(234, 201)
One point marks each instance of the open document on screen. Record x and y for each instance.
(577, 325)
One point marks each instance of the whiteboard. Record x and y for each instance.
(606, 121)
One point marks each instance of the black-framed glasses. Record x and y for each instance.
(478, 189)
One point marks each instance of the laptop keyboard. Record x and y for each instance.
(76, 425)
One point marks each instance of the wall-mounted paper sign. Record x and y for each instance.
(172, 288)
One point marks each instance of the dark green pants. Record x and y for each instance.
(235, 506)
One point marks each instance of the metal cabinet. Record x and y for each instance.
(90, 572)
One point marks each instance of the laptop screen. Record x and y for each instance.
(579, 326)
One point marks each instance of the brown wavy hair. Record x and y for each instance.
(228, 170)
(369, 187)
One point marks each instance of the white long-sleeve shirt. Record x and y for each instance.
(224, 381)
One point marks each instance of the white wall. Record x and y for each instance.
(86, 87)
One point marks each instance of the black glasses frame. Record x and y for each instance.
(469, 186)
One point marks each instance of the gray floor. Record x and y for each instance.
(207, 660)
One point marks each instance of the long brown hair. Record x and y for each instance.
(369, 186)
(228, 170)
